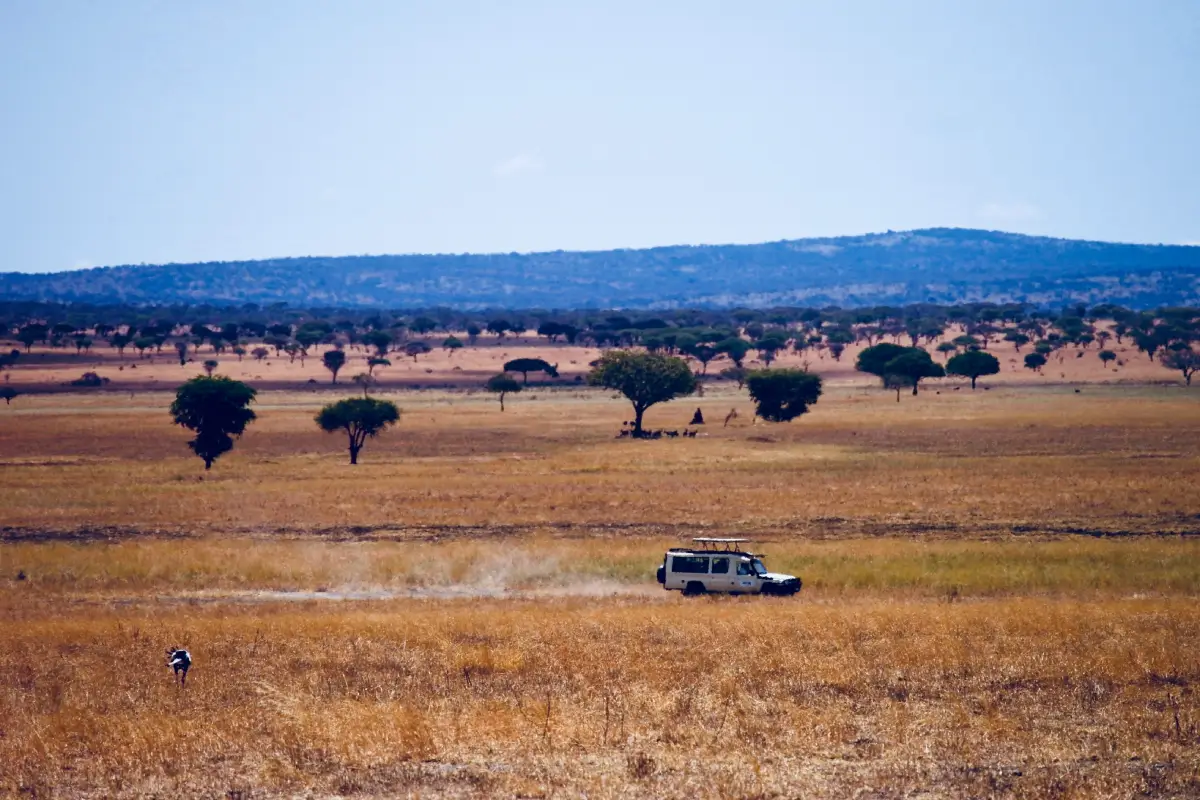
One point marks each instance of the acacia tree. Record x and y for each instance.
(1035, 361)
(8, 393)
(210, 365)
(1186, 361)
(360, 417)
(973, 364)
(414, 349)
(380, 340)
(334, 360)
(783, 394)
(502, 384)
(735, 374)
(215, 409)
(528, 365)
(769, 346)
(872, 360)
(646, 379)
(912, 365)
(895, 365)
(365, 380)
(735, 348)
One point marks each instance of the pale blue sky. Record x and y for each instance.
(184, 131)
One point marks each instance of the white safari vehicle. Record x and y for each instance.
(724, 566)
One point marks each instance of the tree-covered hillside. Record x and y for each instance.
(936, 265)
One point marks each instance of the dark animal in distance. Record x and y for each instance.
(179, 660)
(627, 432)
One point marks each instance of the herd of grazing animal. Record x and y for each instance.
(629, 431)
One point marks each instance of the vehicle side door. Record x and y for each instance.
(722, 574)
(744, 578)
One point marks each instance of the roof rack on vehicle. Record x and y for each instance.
(714, 543)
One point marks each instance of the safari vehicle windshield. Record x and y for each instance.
(757, 566)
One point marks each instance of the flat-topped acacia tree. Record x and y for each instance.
(502, 384)
(973, 364)
(644, 378)
(216, 408)
(528, 365)
(361, 418)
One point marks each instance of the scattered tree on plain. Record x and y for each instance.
(365, 380)
(8, 393)
(973, 364)
(360, 417)
(334, 360)
(1107, 356)
(897, 365)
(734, 348)
(735, 374)
(528, 365)
(768, 348)
(646, 379)
(912, 365)
(1035, 361)
(414, 349)
(380, 340)
(502, 384)
(372, 363)
(210, 365)
(874, 359)
(1187, 361)
(215, 409)
(781, 395)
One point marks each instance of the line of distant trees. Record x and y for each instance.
(1170, 334)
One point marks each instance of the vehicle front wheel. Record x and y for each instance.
(693, 588)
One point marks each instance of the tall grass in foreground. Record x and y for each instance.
(1040, 697)
(1070, 566)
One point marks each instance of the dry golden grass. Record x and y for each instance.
(956, 636)
(1108, 460)
(215, 567)
(722, 698)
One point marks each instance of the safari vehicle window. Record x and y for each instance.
(693, 564)
(744, 568)
(720, 566)
(759, 569)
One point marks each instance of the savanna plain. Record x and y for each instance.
(1000, 599)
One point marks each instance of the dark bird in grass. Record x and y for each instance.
(181, 661)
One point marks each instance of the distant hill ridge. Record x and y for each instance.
(942, 265)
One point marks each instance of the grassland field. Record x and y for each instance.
(1000, 598)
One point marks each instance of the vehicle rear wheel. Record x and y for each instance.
(694, 588)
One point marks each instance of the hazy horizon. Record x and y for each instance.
(140, 132)
(593, 250)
